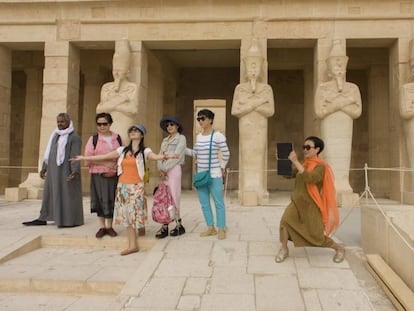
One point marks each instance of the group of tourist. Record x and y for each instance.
(117, 176)
(117, 183)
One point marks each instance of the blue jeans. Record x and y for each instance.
(216, 190)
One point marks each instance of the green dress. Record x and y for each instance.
(302, 218)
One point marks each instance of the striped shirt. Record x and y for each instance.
(202, 149)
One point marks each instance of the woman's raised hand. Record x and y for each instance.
(76, 158)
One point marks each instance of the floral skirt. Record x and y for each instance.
(129, 209)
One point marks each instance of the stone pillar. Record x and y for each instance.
(320, 71)
(32, 115)
(250, 195)
(139, 75)
(337, 104)
(378, 128)
(5, 93)
(60, 94)
(309, 127)
(400, 75)
(60, 88)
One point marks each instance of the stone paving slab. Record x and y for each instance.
(193, 273)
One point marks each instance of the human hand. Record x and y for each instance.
(42, 174)
(170, 156)
(292, 156)
(71, 177)
(162, 175)
(77, 158)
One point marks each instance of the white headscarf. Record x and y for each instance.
(63, 139)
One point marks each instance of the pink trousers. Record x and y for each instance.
(174, 183)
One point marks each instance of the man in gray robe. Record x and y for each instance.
(62, 194)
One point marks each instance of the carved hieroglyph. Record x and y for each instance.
(120, 97)
(253, 104)
(407, 111)
(337, 104)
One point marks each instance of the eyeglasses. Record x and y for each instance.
(201, 118)
(102, 124)
(133, 130)
(170, 124)
(307, 147)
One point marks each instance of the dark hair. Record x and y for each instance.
(64, 115)
(317, 142)
(105, 115)
(207, 113)
(141, 148)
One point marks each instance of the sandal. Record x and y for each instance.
(282, 255)
(339, 255)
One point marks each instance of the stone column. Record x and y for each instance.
(254, 193)
(32, 115)
(378, 128)
(400, 75)
(139, 75)
(320, 71)
(5, 93)
(60, 94)
(309, 127)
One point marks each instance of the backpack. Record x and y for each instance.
(161, 202)
(95, 140)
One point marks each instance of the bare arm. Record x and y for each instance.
(110, 155)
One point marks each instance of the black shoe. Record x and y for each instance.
(36, 222)
(162, 233)
(178, 230)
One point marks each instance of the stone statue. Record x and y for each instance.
(253, 103)
(337, 104)
(120, 97)
(407, 111)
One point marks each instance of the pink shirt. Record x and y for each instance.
(102, 147)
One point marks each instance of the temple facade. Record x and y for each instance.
(55, 57)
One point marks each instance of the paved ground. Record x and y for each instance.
(186, 272)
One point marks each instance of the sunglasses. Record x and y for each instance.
(307, 147)
(170, 124)
(201, 118)
(133, 130)
(102, 124)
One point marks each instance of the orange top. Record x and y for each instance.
(326, 198)
(129, 171)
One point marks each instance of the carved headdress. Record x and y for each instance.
(337, 51)
(122, 55)
(254, 51)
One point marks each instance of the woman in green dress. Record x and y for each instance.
(312, 214)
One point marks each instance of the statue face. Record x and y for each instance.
(337, 66)
(119, 67)
(253, 67)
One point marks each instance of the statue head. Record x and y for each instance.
(337, 60)
(336, 63)
(121, 61)
(253, 62)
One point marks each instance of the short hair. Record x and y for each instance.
(64, 115)
(207, 113)
(105, 115)
(317, 142)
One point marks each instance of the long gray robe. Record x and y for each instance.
(62, 200)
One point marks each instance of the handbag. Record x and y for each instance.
(203, 179)
(162, 203)
(146, 171)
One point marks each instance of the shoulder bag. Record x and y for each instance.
(203, 179)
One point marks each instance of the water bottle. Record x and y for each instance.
(171, 211)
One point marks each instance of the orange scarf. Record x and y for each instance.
(326, 198)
